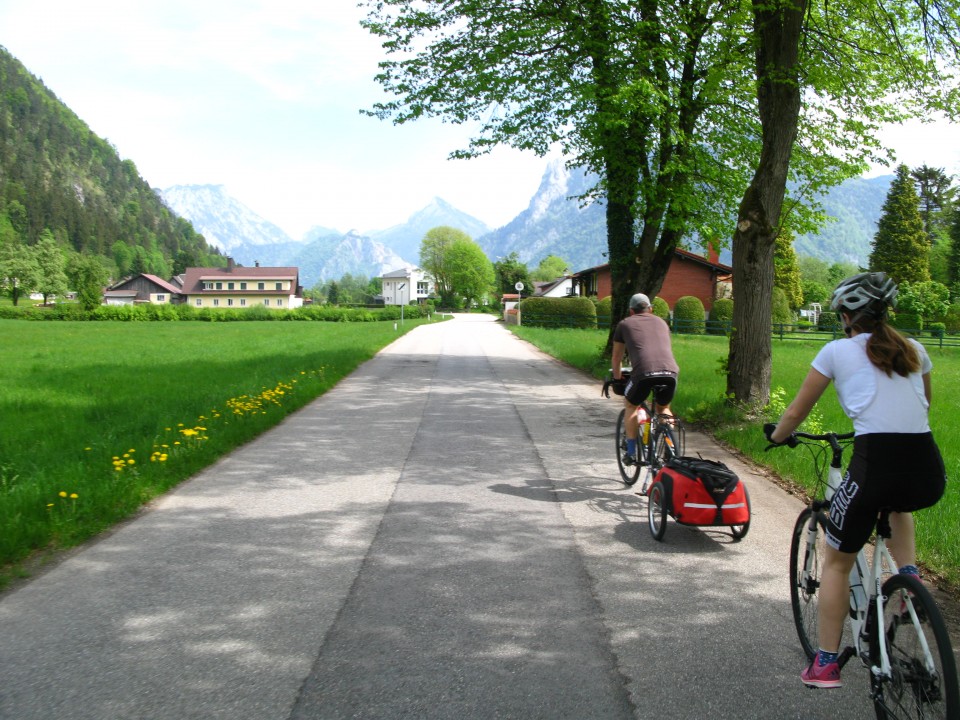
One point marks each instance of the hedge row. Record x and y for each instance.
(576, 312)
(146, 313)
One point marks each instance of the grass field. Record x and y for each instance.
(98, 418)
(700, 399)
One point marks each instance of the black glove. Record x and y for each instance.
(791, 440)
(768, 429)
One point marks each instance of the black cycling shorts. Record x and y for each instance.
(901, 472)
(638, 389)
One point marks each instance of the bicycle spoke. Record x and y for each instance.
(923, 676)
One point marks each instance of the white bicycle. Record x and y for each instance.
(895, 627)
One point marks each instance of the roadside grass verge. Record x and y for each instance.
(700, 400)
(97, 419)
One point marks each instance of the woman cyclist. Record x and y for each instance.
(883, 384)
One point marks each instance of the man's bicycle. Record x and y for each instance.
(660, 438)
(894, 627)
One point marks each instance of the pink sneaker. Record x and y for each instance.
(827, 676)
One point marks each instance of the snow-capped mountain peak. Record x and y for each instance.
(222, 220)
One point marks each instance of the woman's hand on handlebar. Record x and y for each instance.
(791, 440)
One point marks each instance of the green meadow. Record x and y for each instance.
(97, 418)
(700, 401)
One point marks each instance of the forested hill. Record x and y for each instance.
(57, 175)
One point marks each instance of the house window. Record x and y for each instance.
(261, 286)
(216, 302)
(219, 286)
(243, 286)
(199, 302)
(161, 298)
(229, 286)
(422, 288)
(230, 301)
(279, 286)
(243, 302)
(267, 302)
(279, 303)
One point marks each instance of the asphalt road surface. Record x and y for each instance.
(442, 535)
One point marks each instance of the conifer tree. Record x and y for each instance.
(953, 260)
(900, 247)
(935, 193)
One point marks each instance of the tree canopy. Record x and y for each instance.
(550, 268)
(678, 108)
(435, 259)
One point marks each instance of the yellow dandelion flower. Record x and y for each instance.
(88, 449)
(163, 458)
(132, 450)
(118, 468)
(49, 505)
(62, 493)
(126, 455)
(177, 442)
(131, 461)
(73, 496)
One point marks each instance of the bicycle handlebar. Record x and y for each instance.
(794, 439)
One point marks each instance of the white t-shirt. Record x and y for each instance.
(876, 403)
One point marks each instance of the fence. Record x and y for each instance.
(779, 331)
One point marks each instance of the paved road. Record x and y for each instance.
(443, 535)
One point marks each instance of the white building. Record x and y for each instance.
(406, 286)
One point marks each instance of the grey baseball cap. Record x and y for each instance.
(639, 302)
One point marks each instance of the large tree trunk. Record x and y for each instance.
(777, 30)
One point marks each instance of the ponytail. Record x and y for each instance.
(892, 352)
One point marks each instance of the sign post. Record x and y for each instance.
(519, 288)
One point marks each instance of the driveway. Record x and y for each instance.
(442, 535)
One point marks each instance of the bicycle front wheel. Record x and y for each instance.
(629, 473)
(922, 682)
(807, 551)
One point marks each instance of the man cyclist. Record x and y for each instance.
(646, 339)
(883, 384)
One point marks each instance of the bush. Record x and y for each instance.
(573, 312)
(689, 316)
(937, 329)
(907, 321)
(661, 309)
(721, 316)
(952, 318)
(782, 314)
(604, 311)
(828, 321)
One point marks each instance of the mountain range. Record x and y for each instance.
(554, 223)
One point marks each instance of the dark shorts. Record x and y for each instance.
(639, 388)
(893, 471)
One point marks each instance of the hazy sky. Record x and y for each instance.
(263, 97)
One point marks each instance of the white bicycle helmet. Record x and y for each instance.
(867, 292)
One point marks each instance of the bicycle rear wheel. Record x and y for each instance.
(806, 565)
(629, 473)
(920, 685)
